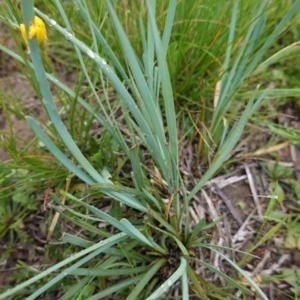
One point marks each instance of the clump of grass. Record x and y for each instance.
(126, 193)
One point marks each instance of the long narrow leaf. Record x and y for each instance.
(110, 241)
(242, 272)
(154, 145)
(145, 280)
(134, 232)
(170, 281)
(117, 287)
(70, 270)
(100, 214)
(58, 154)
(167, 97)
(228, 145)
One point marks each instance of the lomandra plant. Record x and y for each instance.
(146, 246)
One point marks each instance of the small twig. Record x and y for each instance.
(276, 266)
(243, 231)
(253, 191)
(274, 148)
(262, 263)
(228, 204)
(47, 193)
(57, 214)
(199, 210)
(193, 214)
(223, 181)
(294, 160)
(214, 216)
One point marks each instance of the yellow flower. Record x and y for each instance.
(37, 29)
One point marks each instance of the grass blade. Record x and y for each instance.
(97, 247)
(228, 145)
(145, 280)
(170, 281)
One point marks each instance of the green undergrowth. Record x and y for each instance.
(103, 187)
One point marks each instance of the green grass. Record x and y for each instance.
(147, 78)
